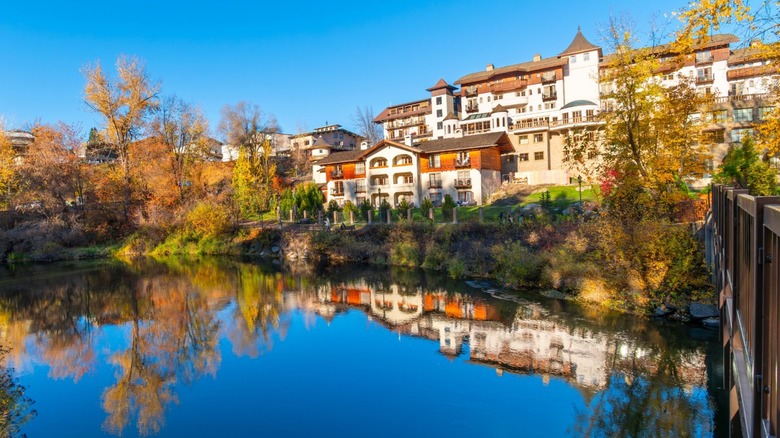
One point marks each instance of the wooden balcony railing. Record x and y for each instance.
(463, 183)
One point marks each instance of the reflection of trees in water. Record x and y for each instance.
(656, 402)
(15, 406)
(171, 309)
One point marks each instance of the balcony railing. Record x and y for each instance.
(406, 122)
(337, 192)
(336, 174)
(550, 96)
(463, 183)
(360, 189)
(704, 79)
(472, 108)
(470, 91)
(741, 97)
(503, 87)
(548, 77)
(463, 162)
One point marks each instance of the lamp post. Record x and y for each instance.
(379, 205)
(579, 181)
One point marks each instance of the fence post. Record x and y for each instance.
(409, 214)
(481, 216)
(455, 214)
(319, 217)
(430, 215)
(369, 216)
(292, 214)
(389, 216)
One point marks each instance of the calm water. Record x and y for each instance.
(229, 348)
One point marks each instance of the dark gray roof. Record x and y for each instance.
(460, 143)
(578, 45)
(341, 157)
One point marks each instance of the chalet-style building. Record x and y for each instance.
(541, 103)
(464, 167)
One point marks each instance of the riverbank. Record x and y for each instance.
(588, 261)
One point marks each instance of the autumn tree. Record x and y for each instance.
(182, 129)
(51, 171)
(363, 119)
(8, 170)
(124, 102)
(245, 127)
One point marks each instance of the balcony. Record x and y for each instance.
(550, 96)
(472, 108)
(704, 79)
(434, 185)
(739, 97)
(704, 59)
(548, 77)
(470, 91)
(575, 120)
(463, 163)
(401, 123)
(336, 174)
(526, 124)
(360, 189)
(337, 192)
(463, 183)
(506, 86)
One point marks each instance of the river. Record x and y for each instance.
(221, 347)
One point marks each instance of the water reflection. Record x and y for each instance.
(637, 378)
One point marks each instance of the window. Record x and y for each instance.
(379, 162)
(360, 168)
(737, 89)
(743, 114)
(549, 105)
(306, 142)
(439, 113)
(439, 125)
(704, 74)
(360, 200)
(434, 161)
(438, 100)
(360, 186)
(586, 56)
(720, 116)
(403, 160)
(522, 157)
(338, 188)
(434, 181)
(764, 112)
(522, 139)
(465, 197)
(538, 155)
(436, 198)
(538, 138)
(509, 159)
(737, 135)
(573, 59)
(380, 181)
(703, 56)
(714, 136)
(404, 179)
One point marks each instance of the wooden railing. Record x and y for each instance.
(744, 234)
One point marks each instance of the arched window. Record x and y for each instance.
(379, 162)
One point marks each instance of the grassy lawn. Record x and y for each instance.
(560, 196)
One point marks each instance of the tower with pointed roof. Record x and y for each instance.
(443, 103)
(581, 71)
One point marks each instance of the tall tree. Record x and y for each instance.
(245, 127)
(182, 129)
(124, 102)
(363, 119)
(8, 170)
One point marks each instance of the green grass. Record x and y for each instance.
(561, 196)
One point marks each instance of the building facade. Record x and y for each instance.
(542, 102)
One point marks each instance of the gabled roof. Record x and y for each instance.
(385, 115)
(450, 116)
(578, 45)
(524, 67)
(498, 109)
(341, 157)
(319, 143)
(717, 40)
(477, 141)
(441, 84)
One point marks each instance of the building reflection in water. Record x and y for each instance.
(175, 313)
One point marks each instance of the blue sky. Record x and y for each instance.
(305, 62)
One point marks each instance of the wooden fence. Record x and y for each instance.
(745, 236)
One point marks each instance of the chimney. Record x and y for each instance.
(537, 57)
(489, 67)
(408, 140)
(363, 145)
(459, 133)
